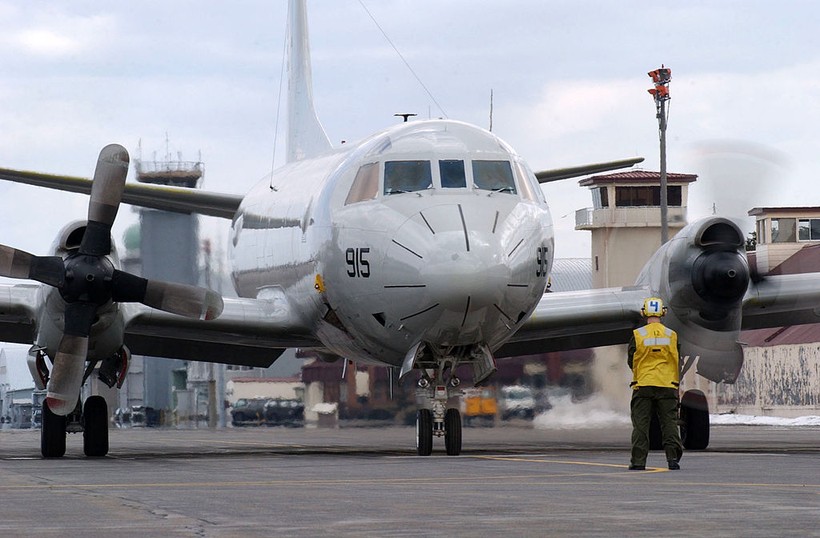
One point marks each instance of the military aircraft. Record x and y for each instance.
(422, 247)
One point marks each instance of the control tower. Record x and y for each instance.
(168, 250)
(625, 221)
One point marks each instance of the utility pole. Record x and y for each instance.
(660, 93)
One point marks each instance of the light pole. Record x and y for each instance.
(660, 93)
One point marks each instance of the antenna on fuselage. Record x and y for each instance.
(405, 115)
(491, 110)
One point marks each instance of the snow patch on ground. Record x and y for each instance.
(597, 412)
(754, 420)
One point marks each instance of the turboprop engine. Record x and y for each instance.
(703, 275)
(85, 285)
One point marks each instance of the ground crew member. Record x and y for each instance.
(653, 358)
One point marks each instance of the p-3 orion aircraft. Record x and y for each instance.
(423, 247)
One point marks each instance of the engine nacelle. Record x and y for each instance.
(702, 274)
(69, 238)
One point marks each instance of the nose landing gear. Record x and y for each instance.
(438, 420)
(437, 385)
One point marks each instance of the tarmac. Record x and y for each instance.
(509, 481)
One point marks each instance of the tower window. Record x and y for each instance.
(647, 196)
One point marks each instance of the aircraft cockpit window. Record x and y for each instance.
(452, 174)
(493, 176)
(528, 186)
(407, 176)
(366, 184)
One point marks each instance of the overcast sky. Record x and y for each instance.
(568, 77)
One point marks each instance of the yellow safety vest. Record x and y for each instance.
(655, 361)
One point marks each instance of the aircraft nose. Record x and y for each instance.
(462, 279)
(448, 273)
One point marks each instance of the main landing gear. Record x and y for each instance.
(693, 420)
(90, 418)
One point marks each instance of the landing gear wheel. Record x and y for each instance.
(694, 419)
(52, 434)
(452, 432)
(424, 432)
(95, 431)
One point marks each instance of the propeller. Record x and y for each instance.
(87, 279)
(734, 177)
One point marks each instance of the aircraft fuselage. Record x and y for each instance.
(432, 231)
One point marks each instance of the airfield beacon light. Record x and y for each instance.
(660, 93)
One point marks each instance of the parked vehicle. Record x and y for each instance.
(248, 412)
(284, 412)
(517, 401)
(479, 406)
(268, 412)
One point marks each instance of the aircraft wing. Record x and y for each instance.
(782, 300)
(578, 319)
(18, 313)
(545, 176)
(177, 199)
(250, 332)
(590, 318)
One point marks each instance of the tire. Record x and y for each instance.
(95, 430)
(52, 434)
(694, 414)
(452, 432)
(424, 432)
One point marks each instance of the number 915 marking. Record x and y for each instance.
(358, 265)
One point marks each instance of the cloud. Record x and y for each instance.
(46, 42)
(54, 34)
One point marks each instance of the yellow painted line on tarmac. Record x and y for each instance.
(569, 462)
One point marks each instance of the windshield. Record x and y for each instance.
(407, 176)
(493, 176)
(452, 174)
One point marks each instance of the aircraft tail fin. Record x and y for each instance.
(306, 136)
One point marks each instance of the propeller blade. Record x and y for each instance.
(16, 263)
(190, 301)
(67, 374)
(79, 317)
(69, 362)
(106, 193)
